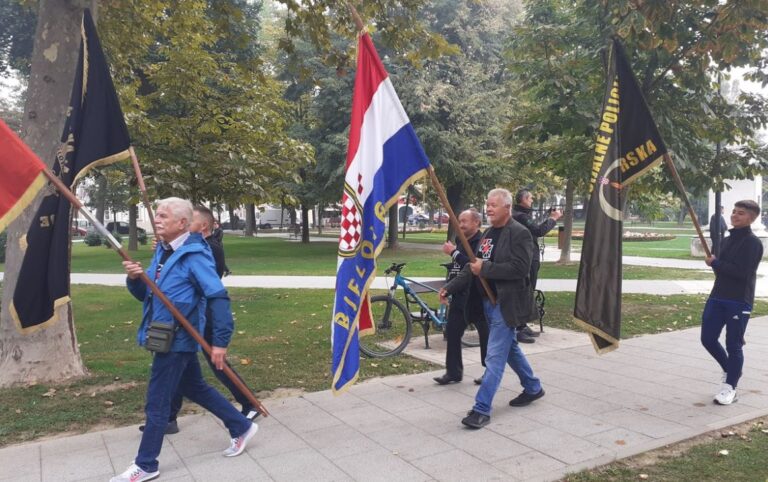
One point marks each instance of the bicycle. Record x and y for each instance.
(394, 320)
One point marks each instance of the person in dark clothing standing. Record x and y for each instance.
(717, 217)
(217, 234)
(460, 309)
(730, 302)
(523, 214)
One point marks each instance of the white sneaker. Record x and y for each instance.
(238, 444)
(134, 473)
(726, 396)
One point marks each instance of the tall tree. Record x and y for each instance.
(50, 354)
(676, 47)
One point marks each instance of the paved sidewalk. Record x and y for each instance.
(655, 390)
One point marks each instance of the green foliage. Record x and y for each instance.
(17, 31)
(93, 238)
(677, 49)
(208, 124)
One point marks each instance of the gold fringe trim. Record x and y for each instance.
(626, 182)
(33, 329)
(593, 333)
(21, 204)
(104, 161)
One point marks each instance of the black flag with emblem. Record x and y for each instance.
(627, 145)
(94, 135)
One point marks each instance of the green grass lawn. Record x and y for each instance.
(282, 340)
(702, 460)
(274, 256)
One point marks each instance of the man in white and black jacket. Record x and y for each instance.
(522, 212)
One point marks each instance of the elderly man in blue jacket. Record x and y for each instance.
(183, 269)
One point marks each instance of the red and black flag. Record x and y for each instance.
(627, 145)
(94, 135)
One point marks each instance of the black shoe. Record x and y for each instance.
(479, 381)
(475, 420)
(523, 338)
(525, 399)
(446, 379)
(528, 331)
(170, 429)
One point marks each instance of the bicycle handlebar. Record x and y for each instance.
(396, 267)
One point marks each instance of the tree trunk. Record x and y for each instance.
(250, 220)
(565, 254)
(133, 213)
(101, 197)
(319, 219)
(392, 228)
(232, 217)
(455, 195)
(304, 224)
(51, 353)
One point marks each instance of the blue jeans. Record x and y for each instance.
(178, 399)
(180, 370)
(502, 349)
(733, 315)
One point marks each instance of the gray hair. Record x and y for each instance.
(180, 208)
(474, 214)
(502, 193)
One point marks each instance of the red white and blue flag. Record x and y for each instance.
(384, 156)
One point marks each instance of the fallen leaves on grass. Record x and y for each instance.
(50, 393)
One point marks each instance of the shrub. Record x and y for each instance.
(141, 237)
(92, 239)
(115, 235)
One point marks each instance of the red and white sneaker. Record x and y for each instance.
(134, 473)
(238, 444)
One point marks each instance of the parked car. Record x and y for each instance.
(238, 224)
(441, 218)
(78, 231)
(122, 228)
(414, 219)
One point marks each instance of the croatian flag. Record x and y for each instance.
(383, 158)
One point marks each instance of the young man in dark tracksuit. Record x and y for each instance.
(730, 302)
(464, 306)
(522, 212)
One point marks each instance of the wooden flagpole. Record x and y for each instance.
(152, 286)
(438, 187)
(681, 188)
(142, 188)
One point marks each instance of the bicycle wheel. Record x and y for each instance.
(471, 338)
(393, 328)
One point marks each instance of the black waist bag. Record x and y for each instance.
(160, 337)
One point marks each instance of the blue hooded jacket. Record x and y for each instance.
(189, 280)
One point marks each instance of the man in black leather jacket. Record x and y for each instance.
(523, 214)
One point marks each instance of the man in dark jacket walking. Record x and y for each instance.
(523, 214)
(461, 310)
(730, 302)
(504, 259)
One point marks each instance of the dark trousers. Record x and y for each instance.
(178, 398)
(534, 274)
(732, 315)
(454, 330)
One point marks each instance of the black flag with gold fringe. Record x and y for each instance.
(94, 135)
(627, 145)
